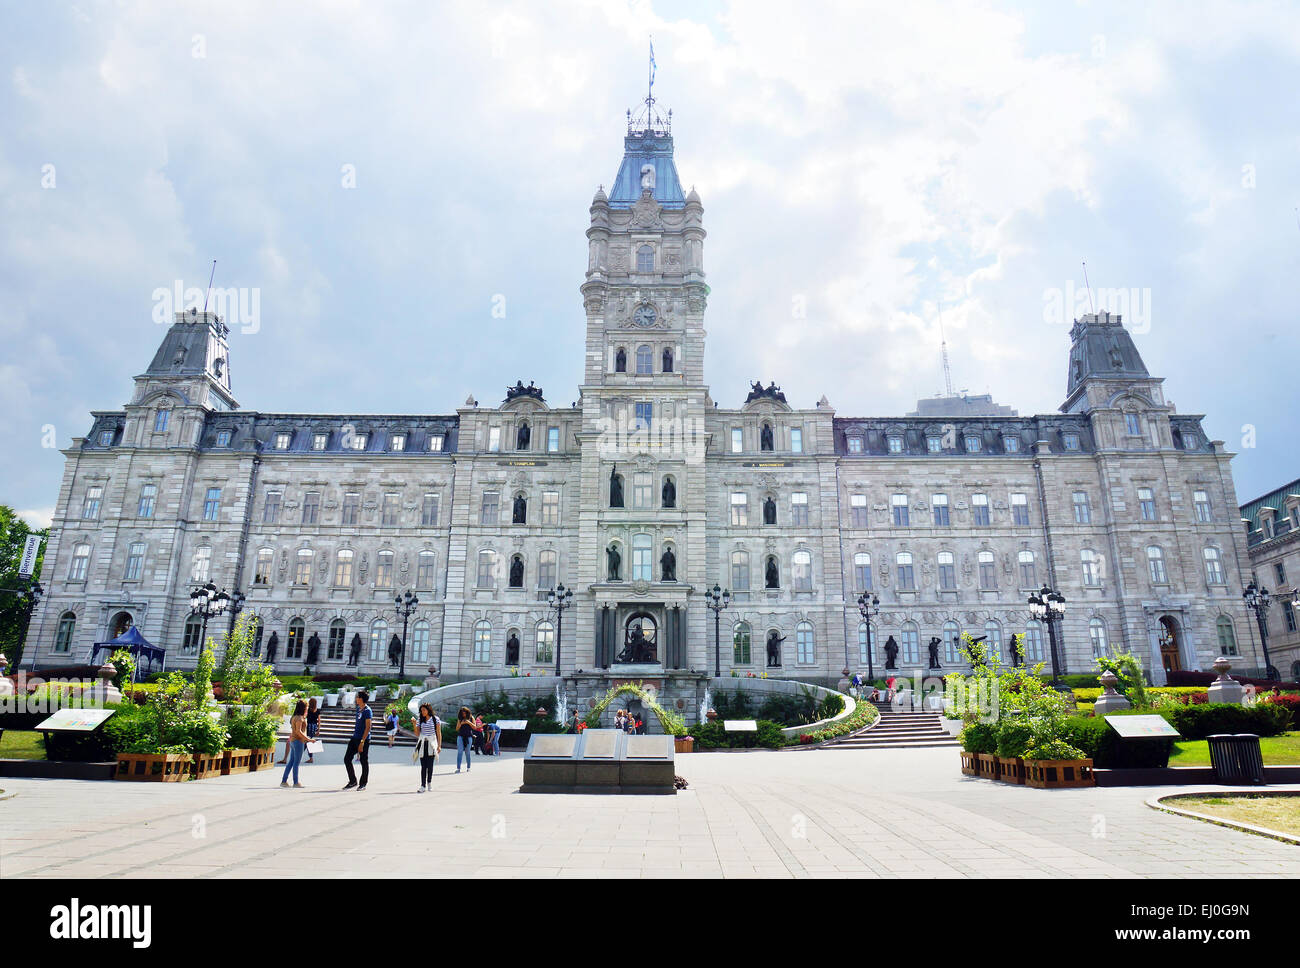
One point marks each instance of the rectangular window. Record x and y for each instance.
(160, 420)
(391, 509)
(319, 441)
(641, 554)
(940, 504)
(487, 566)
(1028, 577)
(895, 444)
(262, 570)
(343, 569)
(429, 511)
(858, 510)
(553, 440)
(644, 413)
(799, 509)
(80, 563)
(436, 443)
(1279, 569)
(803, 634)
(988, 571)
(302, 568)
(796, 440)
(947, 571)
(934, 445)
(271, 509)
(351, 507)
(1082, 510)
(282, 441)
(488, 514)
(494, 439)
(424, 570)
(202, 564)
(134, 562)
(546, 569)
(1201, 502)
(739, 510)
(1019, 509)
(384, 569)
(972, 444)
(311, 507)
(212, 504)
(1070, 441)
(1132, 424)
(482, 642)
(979, 507)
(737, 440)
(900, 510)
(906, 574)
(642, 488)
(338, 632)
(148, 495)
(862, 571)
(801, 571)
(550, 507)
(1091, 567)
(1011, 445)
(740, 571)
(223, 438)
(855, 444)
(1147, 503)
(397, 442)
(359, 441)
(94, 498)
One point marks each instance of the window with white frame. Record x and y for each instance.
(134, 562)
(934, 445)
(993, 640)
(320, 441)
(979, 508)
(424, 573)
(80, 564)
(94, 498)
(547, 567)
(988, 571)
(343, 568)
(271, 509)
(901, 515)
(799, 509)
(642, 552)
(160, 420)
(1147, 504)
(202, 564)
(302, 569)
(148, 499)
(1097, 635)
(550, 507)
(739, 509)
(906, 572)
(854, 442)
(642, 490)
(895, 442)
(1028, 573)
(862, 571)
(420, 641)
(1033, 643)
(397, 442)
(338, 633)
(488, 511)
(939, 502)
(429, 510)
(437, 442)
(311, 507)
(803, 637)
(360, 441)
(1227, 638)
(858, 510)
(1082, 509)
(951, 642)
(193, 635)
(1213, 566)
(1011, 445)
(262, 569)
(645, 258)
(545, 651)
(390, 510)
(378, 641)
(796, 440)
(741, 642)
(384, 569)
(740, 571)
(1019, 508)
(487, 569)
(351, 508)
(1091, 567)
(282, 441)
(947, 571)
(645, 360)
(1201, 503)
(223, 438)
(972, 444)
(67, 627)
(737, 440)
(494, 439)
(801, 571)
(553, 439)
(482, 641)
(909, 643)
(1156, 565)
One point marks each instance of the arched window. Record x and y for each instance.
(545, 642)
(645, 360)
(384, 569)
(1033, 644)
(302, 570)
(420, 641)
(645, 259)
(668, 360)
(993, 640)
(424, 573)
(1028, 573)
(642, 552)
(951, 642)
(338, 633)
(801, 571)
(343, 568)
(482, 641)
(620, 360)
(1097, 635)
(1227, 638)
(1213, 566)
(1156, 565)
(909, 643)
(947, 571)
(193, 634)
(379, 641)
(297, 631)
(741, 640)
(862, 571)
(487, 569)
(63, 638)
(803, 639)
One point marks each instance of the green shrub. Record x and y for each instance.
(254, 730)
(980, 738)
(714, 736)
(1208, 719)
(1013, 736)
(198, 733)
(1056, 749)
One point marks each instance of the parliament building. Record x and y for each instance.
(643, 497)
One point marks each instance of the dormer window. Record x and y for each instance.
(282, 441)
(397, 442)
(320, 441)
(359, 441)
(1132, 425)
(1011, 445)
(895, 444)
(160, 421)
(934, 445)
(972, 444)
(223, 438)
(436, 442)
(1070, 441)
(645, 259)
(105, 438)
(855, 444)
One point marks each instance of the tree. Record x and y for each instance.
(16, 600)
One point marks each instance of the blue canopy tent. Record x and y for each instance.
(133, 642)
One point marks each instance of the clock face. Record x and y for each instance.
(644, 315)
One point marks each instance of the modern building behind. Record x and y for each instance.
(952, 519)
(1273, 544)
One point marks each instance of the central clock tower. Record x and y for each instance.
(643, 407)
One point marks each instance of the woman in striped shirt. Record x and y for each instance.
(428, 744)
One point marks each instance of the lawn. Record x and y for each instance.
(1281, 750)
(18, 744)
(1278, 813)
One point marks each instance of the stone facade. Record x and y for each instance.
(322, 520)
(1273, 544)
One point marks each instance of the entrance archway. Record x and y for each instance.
(1170, 645)
(119, 624)
(640, 639)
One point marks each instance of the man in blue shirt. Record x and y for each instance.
(359, 744)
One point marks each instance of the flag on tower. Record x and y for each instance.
(652, 63)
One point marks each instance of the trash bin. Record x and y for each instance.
(1236, 758)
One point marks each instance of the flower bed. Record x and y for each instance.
(863, 715)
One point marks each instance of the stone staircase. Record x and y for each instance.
(336, 727)
(899, 730)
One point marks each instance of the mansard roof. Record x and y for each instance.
(647, 147)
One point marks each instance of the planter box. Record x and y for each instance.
(987, 764)
(236, 761)
(261, 759)
(684, 744)
(1011, 769)
(1051, 774)
(969, 764)
(204, 765)
(153, 767)
(331, 699)
(953, 727)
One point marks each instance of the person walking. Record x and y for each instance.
(428, 744)
(297, 743)
(359, 744)
(464, 736)
(390, 724)
(313, 726)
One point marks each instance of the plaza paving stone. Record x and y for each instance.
(870, 813)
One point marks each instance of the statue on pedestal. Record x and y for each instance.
(668, 565)
(354, 651)
(891, 653)
(934, 644)
(774, 640)
(614, 561)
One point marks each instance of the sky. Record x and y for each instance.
(385, 178)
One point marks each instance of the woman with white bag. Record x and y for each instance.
(428, 744)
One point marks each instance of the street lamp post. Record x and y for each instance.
(559, 598)
(405, 606)
(870, 608)
(207, 601)
(1048, 606)
(717, 599)
(1258, 600)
